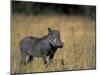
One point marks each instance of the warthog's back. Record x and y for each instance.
(26, 43)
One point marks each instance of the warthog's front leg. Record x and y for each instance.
(51, 57)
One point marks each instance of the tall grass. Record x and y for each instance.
(77, 33)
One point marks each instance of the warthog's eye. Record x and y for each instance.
(54, 40)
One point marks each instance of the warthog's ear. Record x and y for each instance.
(49, 29)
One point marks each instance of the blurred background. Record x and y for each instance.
(35, 8)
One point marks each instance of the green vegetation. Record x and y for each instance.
(36, 8)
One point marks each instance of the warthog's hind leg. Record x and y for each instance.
(23, 57)
(30, 59)
(44, 59)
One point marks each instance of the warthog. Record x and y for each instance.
(40, 47)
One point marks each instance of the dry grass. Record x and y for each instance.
(77, 33)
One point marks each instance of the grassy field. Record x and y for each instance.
(77, 33)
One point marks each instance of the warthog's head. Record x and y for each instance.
(54, 38)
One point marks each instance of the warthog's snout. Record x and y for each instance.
(61, 45)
